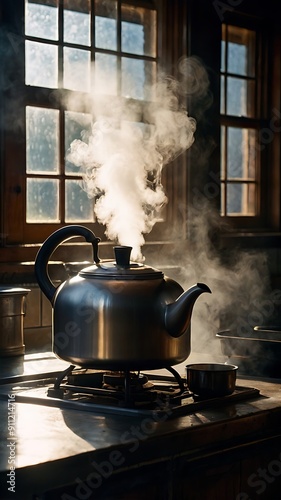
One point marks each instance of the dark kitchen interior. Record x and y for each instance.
(154, 125)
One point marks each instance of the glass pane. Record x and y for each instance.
(76, 18)
(237, 59)
(241, 153)
(241, 50)
(241, 199)
(106, 24)
(42, 200)
(223, 55)
(78, 207)
(236, 96)
(106, 74)
(41, 64)
(77, 69)
(240, 97)
(234, 199)
(42, 140)
(41, 19)
(234, 153)
(137, 77)
(77, 126)
(138, 31)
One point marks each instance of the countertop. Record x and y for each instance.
(55, 446)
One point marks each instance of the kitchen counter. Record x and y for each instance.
(70, 454)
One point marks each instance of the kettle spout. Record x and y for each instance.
(178, 314)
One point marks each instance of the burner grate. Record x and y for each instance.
(163, 399)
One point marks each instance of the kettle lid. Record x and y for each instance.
(121, 269)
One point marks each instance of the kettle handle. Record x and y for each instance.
(50, 245)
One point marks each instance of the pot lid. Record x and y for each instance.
(121, 269)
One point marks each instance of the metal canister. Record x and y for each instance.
(12, 312)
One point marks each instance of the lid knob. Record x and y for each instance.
(122, 255)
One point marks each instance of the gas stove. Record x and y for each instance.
(121, 393)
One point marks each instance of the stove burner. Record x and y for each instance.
(118, 380)
(127, 389)
(87, 378)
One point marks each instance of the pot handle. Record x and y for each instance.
(49, 246)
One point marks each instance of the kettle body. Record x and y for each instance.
(116, 326)
(117, 315)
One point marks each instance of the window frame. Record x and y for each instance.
(19, 241)
(262, 220)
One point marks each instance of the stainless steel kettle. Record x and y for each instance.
(116, 315)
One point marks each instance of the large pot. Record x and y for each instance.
(119, 314)
(259, 354)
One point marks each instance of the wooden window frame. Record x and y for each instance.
(266, 222)
(244, 123)
(17, 242)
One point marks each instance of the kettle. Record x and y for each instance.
(116, 315)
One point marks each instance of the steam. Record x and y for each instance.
(122, 163)
(123, 160)
(239, 280)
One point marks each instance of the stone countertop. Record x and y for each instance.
(54, 446)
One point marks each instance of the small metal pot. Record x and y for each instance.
(211, 379)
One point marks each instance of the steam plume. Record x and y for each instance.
(124, 157)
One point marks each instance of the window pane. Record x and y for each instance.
(106, 33)
(241, 154)
(77, 126)
(42, 140)
(241, 50)
(223, 55)
(42, 201)
(237, 59)
(76, 27)
(77, 69)
(78, 207)
(240, 97)
(234, 199)
(236, 97)
(106, 24)
(138, 31)
(241, 199)
(41, 19)
(132, 38)
(106, 74)
(41, 64)
(137, 76)
(234, 153)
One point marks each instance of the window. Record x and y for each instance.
(240, 123)
(62, 40)
(76, 61)
(69, 51)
